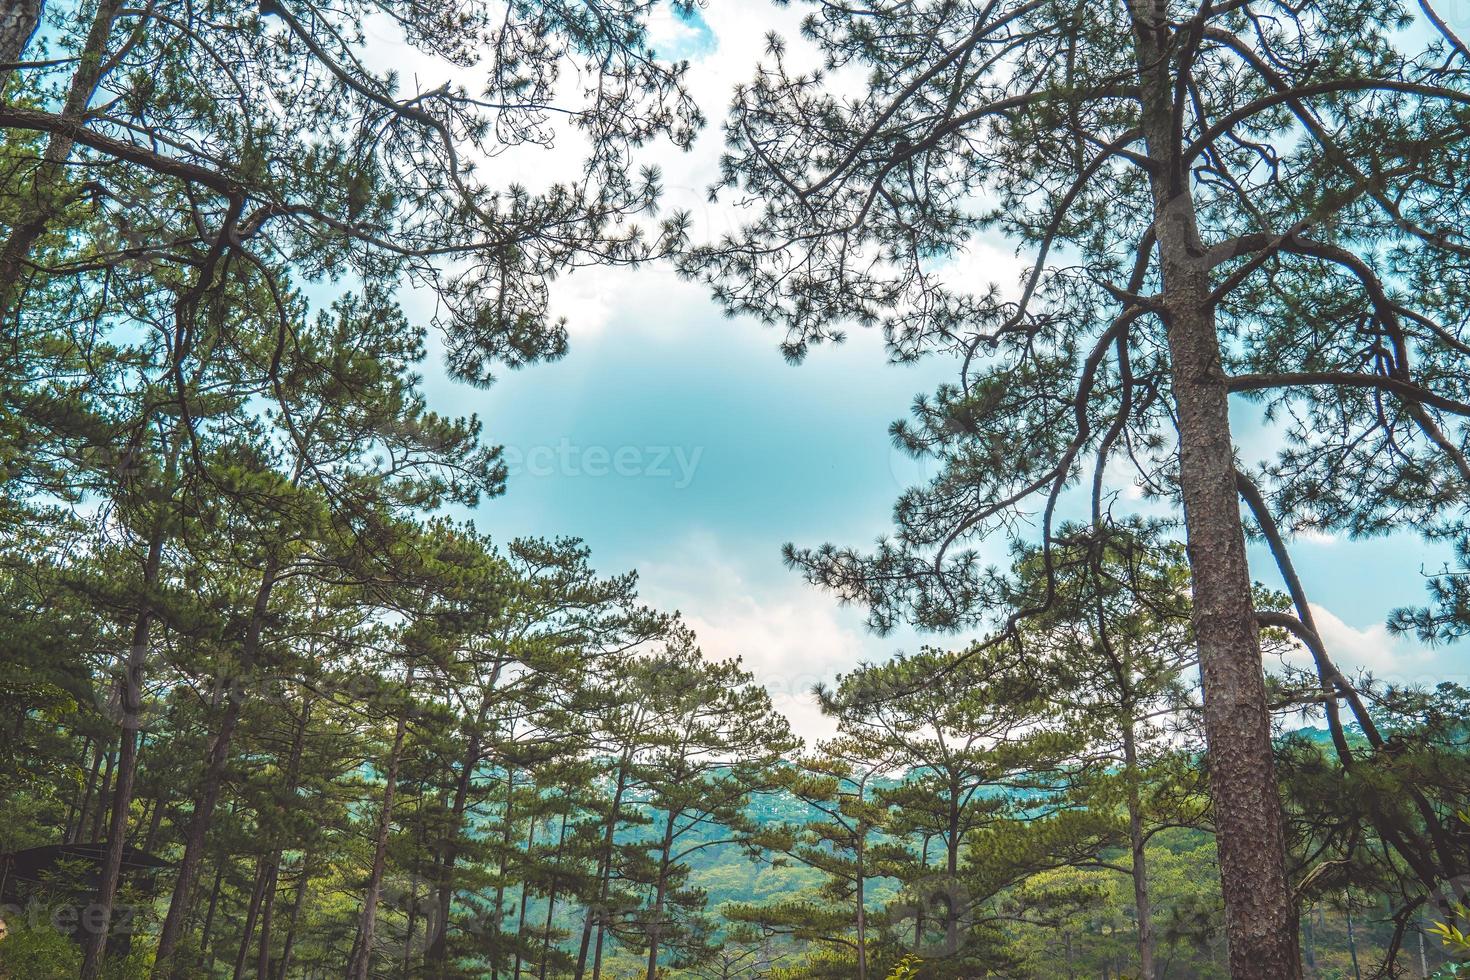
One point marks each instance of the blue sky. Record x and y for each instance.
(678, 442)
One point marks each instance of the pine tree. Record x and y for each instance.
(720, 743)
(1116, 643)
(1216, 200)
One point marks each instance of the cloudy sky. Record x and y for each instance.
(678, 442)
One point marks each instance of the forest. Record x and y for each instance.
(278, 702)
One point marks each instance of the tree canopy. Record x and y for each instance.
(275, 706)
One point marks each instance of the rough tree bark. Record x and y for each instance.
(18, 21)
(1261, 923)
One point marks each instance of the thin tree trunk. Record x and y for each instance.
(1309, 946)
(150, 839)
(413, 909)
(1142, 904)
(361, 961)
(431, 922)
(551, 900)
(252, 912)
(150, 808)
(449, 846)
(1352, 939)
(131, 705)
(861, 902)
(215, 767)
(273, 860)
(952, 870)
(1260, 916)
(297, 902)
(503, 868)
(268, 901)
(1423, 957)
(208, 928)
(604, 875)
(919, 913)
(525, 893)
(656, 923)
(79, 808)
(99, 816)
(17, 24)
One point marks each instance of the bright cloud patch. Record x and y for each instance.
(1390, 658)
(790, 636)
(676, 35)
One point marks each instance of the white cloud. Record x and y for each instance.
(983, 262)
(788, 634)
(672, 36)
(651, 301)
(1388, 657)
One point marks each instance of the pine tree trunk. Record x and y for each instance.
(431, 921)
(215, 767)
(361, 961)
(661, 886)
(449, 846)
(297, 901)
(273, 860)
(74, 834)
(525, 894)
(150, 839)
(860, 902)
(1260, 917)
(207, 930)
(99, 816)
(131, 708)
(952, 870)
(411, 926)
(1423, 956)
(1352, 938)
(1142, 903)
(551, 900)
(268, 901)
(503, 867)
(596, 913)
(251, 913)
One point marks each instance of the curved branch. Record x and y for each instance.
(15, 117)
(1347, 379)
(1256, 106)
(1445, 31)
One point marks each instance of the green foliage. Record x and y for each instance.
(239, 623)
(905, 969)
(41, 953)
